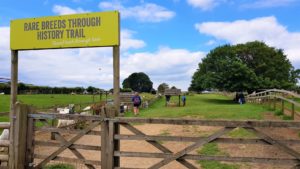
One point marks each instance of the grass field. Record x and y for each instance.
(42, 101)
(205, 106)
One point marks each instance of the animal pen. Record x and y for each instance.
(31, 146)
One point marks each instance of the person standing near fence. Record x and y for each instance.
(137, 101)
(183, 99)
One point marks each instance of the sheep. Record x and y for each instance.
(4, 136)
(62, 123)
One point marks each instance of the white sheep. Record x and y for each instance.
(62, 123)
(4, 136)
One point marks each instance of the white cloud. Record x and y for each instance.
(129, 41)
(203, 4)
(146, 12)
(80, 67)
(173, 66)
(268, 3)
(4, 51)
(64, 10)
(70, 67)
(210, 42)
(265, 29)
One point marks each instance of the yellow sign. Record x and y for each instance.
(67, 31)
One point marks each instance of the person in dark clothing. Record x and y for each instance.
(137, 101)
(183, 99)
(168, 98)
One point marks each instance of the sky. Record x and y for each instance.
(166, 39)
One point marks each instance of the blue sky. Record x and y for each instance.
(165, 39)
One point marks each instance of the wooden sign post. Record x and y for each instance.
(99, 29)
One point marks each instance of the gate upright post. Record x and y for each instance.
(13, 100)
(20, 136)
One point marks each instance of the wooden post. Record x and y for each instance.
(20, 136)
(282, 106)
(116, 65)
(104, 136)
(293, 111)
(13, 100)
(110, 156)
(107, 141)
(275, 99)
(30, 143)
(179, 100)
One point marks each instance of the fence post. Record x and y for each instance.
(282, 106)
(275, 99)
(111, 146)
(30, 142)
(20, 136)
(108, 144)
(104, 136)
(293, 111)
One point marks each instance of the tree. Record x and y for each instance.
(244, 67)
(91, 89)
(139, 82)
(162, 87)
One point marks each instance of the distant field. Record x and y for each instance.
(46, 101)
(205, 106)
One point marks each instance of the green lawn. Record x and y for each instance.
(43, 101)
(205, 106)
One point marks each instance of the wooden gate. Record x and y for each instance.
(34, 147)
(65, 138)
(184, 156)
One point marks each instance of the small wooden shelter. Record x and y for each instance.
(126, 99)
(173, 92)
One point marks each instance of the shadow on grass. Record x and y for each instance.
(219, 101)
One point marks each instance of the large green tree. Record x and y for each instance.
(139, 82)
(162, 87)
(245, 67)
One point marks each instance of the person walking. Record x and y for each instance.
(183, 98)
(137, 101)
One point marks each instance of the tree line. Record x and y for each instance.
(33, 89)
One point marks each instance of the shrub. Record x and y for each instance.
(278, 113)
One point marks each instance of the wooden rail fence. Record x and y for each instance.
(271, 97)
(107, 129)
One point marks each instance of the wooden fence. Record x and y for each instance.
(106, 128)
(182, 156)
(271, 97)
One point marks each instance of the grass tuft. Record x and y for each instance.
(278, 113)
(59, 166)
(211, 149)
(241, 133)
